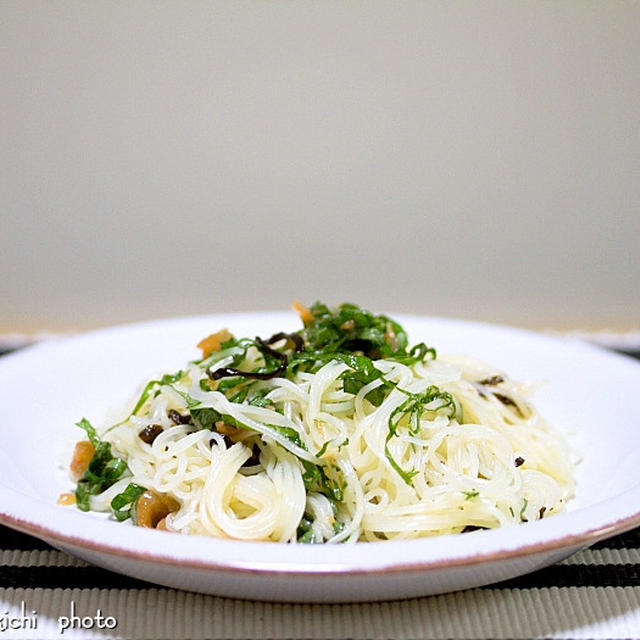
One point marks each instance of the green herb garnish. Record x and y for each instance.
(325, 480)
(104, 468)
(124, 504)
(168, 378)
(411, 412)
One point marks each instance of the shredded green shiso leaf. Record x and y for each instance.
(103, 471)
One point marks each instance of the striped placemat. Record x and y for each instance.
(45, 593)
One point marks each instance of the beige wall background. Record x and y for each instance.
(478, 160)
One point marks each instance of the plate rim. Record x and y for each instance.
(569, 541)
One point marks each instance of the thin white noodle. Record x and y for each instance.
(496, 462)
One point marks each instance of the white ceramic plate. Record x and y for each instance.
(45, 389)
